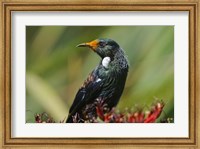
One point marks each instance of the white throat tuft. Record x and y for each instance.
(106, 61)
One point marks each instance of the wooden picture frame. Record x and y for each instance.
(7, 7)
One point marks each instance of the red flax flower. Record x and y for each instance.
(104, 115)
(138, 116)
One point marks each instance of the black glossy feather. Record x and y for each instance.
(89, 91)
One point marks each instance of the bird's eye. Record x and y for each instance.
(102, 44)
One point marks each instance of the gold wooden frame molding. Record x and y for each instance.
(191, 6)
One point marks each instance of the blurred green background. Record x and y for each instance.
(55, 68)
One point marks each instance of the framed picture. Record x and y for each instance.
(100, 73)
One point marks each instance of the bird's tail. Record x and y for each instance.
(69, 119)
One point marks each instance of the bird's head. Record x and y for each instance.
(103, 47)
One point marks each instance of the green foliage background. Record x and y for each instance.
(55, 68)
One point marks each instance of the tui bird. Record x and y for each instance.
(105, 83)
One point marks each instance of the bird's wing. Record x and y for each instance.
(89, 90)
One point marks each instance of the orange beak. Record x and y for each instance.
(93, 44)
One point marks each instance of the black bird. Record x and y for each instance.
(105, 83)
